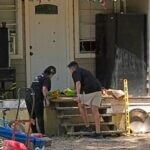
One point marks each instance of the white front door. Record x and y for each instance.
(48, 39)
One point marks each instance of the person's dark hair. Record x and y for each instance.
(50, 70)
(73, 64)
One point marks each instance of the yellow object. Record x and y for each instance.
(55, 94)
(127, 115)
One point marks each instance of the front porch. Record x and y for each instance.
(62, 116)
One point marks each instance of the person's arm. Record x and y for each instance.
(45, 89)
(45, 92)
(77, 80)
(78, 89)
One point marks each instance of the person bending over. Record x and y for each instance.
(88, 93)
(41, 85)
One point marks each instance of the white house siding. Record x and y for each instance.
(10, 18)
(137, 6)
(85, 21)
(20, 64)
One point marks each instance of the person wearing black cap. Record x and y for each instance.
(88, 93)
(41, 85)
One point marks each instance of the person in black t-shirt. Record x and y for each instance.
(41, 85)
(88, 93)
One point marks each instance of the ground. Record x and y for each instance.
(138, 142)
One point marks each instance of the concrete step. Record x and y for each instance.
(70, 99)
(116, 132)
(105, 126)
(82, 124)
(78, 127)
(73, 104)
(66, 102)
(75, 110)
(76, 118)
(64, 99)
(78, 115)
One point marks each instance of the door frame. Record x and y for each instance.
(69, 38)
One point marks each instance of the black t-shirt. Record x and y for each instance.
(89, 83)
(39, 82)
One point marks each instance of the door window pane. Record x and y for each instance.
(46, 9)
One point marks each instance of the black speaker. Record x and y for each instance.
(7, 74)
(4, 54)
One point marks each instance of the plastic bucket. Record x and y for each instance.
(13, 145)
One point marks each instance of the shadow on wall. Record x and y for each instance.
(131, 67)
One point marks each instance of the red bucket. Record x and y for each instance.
(13, 145)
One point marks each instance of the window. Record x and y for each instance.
(87, 46)
(84, 20)
(46, 9)
(11, 13)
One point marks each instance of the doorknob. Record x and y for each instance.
(31, 53)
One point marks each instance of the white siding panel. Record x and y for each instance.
(7, 2)
(85, 32)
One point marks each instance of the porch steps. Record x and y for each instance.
(75, 110)
(68, 108)
(71, 122)
(104, 126)
(82, 124)
(78, 115)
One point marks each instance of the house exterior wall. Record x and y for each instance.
(10, 17)
(20, 64)
(87, 60)
(88, 63)
(133, 6)
(137, 6)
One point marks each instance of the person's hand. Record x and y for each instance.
(77, 99)
(46, 102)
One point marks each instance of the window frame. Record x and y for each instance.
(78, 54)
(19, 34)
